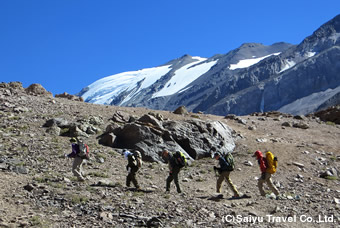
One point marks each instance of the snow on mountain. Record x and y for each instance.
(254, 77)
(244, 63)
(104, 90)
(185, 76)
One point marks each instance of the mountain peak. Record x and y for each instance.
(251, 45)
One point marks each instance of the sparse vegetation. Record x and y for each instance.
(79, 199)
(331, 177)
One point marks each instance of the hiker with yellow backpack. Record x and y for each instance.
(268, 167)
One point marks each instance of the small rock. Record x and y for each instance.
(251, 128)
(28, 187)
(248, 163)
(300, 165)
(286, 124)
(263, 140)
(336, 200)
(242, 121)
(290, 197)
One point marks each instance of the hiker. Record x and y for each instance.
(175, 166)
(134, 163)
(266, 173)
(224, 173)
(78, 161)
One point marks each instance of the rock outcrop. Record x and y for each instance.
(197, 139)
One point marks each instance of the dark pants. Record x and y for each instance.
(132, 177)
(173, 177)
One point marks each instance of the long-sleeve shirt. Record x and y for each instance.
(223, 164)
(262, 163)
(75, 150)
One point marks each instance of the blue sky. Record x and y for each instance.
(66, 45)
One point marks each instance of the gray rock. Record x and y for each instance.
(195, 138)
(60, 122)
(107, 139)
(96, 120)
(181, 111)
(301, 125)
(121, 117)
(148, 119)
(300, 165)
(54, 130)
(287, 124)
(248, 163)
(21, 170)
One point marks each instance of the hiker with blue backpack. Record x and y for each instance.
(134, 164)
(224, 173)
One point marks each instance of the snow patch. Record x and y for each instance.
(248, 62)
(103, 90)
(184, 76)
(310, 54)
(287, 65)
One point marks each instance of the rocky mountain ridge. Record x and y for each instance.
(296, 79)
(38, 189)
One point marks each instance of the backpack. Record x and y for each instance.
(180, 159)
(230, 161)
(83, 151)
(271, 163)
(138, 159)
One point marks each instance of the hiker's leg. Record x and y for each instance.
(128, 179)
(134, 180)
(260, 185)
(175, 174)
(168, 181)
(271, 185)
(76, 168)
(219, 183)
(231, 185)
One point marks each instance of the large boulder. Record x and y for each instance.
(181, 111)
(37, 89)
(331, 114)
(195, 138)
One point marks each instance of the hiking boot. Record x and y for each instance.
(81, 179)
(278, 197)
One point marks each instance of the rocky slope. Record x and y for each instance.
(38, 188)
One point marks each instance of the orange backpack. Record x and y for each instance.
(271, 163)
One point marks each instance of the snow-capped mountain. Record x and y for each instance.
(296, 79)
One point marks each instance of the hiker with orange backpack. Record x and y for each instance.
(268, 167)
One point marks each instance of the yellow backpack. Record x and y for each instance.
(271, 163)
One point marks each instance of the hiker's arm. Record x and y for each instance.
(74, 151)
(263, 166)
